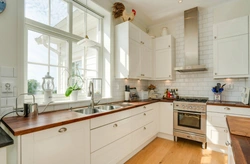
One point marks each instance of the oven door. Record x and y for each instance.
(190, 121)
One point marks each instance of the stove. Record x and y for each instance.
(190, 119)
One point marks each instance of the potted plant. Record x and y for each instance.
(75, 83)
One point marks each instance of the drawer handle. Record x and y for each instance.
(142, 42)
(215, 37)
(144, 114)
(115, 125)
(144, 128)
(227, 108)
(144, 107)
(225, 130)
(227, 143)
(62, 130)
(169, 46)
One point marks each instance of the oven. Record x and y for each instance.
(190, 119)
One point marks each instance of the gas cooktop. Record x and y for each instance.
(192, 99)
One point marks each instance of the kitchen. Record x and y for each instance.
(197, 84)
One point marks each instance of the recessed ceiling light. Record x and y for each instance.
(180, 1)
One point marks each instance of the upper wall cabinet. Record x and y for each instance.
(164, 58)
(231, 45)
(133, 52)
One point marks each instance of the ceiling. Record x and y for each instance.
(156, 10)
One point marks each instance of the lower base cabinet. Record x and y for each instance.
(60, 145)
(3, 156)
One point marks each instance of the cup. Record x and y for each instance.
(164, 31)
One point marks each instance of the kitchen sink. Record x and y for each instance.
(97, 109)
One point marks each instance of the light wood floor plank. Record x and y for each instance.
(161, 151)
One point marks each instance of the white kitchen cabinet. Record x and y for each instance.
(166, 120)
(112, 142)
(230, 156)
(3, 155)
(164, 58)
(217, 131)
(231, 48)
(64, 144)
(133, 52)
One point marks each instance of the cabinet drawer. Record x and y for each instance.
(217, 135)
(141, 135)
(103, 120)
(142, 119)
(231, 28)
(113, 153)
(228, 110)
(104, 135)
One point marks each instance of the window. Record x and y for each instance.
(52, 29)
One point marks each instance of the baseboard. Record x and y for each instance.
(137, 150)
(165, 136)
(218, 148)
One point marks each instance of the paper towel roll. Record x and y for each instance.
(127, 96)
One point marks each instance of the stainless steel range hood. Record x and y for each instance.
(191, 37)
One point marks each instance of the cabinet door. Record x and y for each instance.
(134, 59)
(162, 42)
(231, 28)
(134, 32)
(217, 135)
(146, 40)
(231, 57)
(146, 62)
(62, 145)
(166, 118)
(163, 64)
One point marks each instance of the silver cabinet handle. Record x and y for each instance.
(144, 114)
(215, 73)
(144, 107)
(144, 128)
(142, 42)
(115, 125)
(227, 108)
(227, 143)
(215, 37)
(225, 130)
(169, 46)
(169, 75)
(62, 130)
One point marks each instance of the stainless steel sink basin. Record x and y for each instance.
(97, 109)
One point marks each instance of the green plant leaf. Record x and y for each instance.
(68, 91)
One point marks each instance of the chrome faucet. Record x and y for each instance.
(91, 93)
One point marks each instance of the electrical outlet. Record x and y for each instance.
(7, 87)
(230, 86)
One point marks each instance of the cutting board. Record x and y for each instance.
(239, 125)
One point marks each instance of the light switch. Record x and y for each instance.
(7, 87)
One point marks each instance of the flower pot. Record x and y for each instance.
(74, 95)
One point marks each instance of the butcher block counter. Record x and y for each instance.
(24, 125)
(227, 103)
(239, 128)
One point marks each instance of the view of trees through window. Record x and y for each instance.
(51, 43)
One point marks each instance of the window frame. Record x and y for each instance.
(32, 25)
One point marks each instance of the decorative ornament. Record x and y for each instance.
(2, 5)
(119, 11)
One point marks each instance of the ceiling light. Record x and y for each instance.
(86, 42)
(180, 1)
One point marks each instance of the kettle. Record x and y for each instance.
(29, 109)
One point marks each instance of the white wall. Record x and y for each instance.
(199, 83)
(8, 35)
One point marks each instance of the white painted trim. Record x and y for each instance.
(165, 136)
(218, 148)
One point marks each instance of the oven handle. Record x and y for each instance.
(199, 113)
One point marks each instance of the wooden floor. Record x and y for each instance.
(161, 151)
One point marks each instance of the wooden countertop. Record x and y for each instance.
(25, 125)
(239, 128)
(227, 103)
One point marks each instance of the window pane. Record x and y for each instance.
(59, 14)
(58, 52)
(37, 47)
(91, 62)
(35, 75)
(93, 28)
(60, 79)
(78, 22)
(37, 10)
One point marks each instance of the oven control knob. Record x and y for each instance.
(190, 107)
